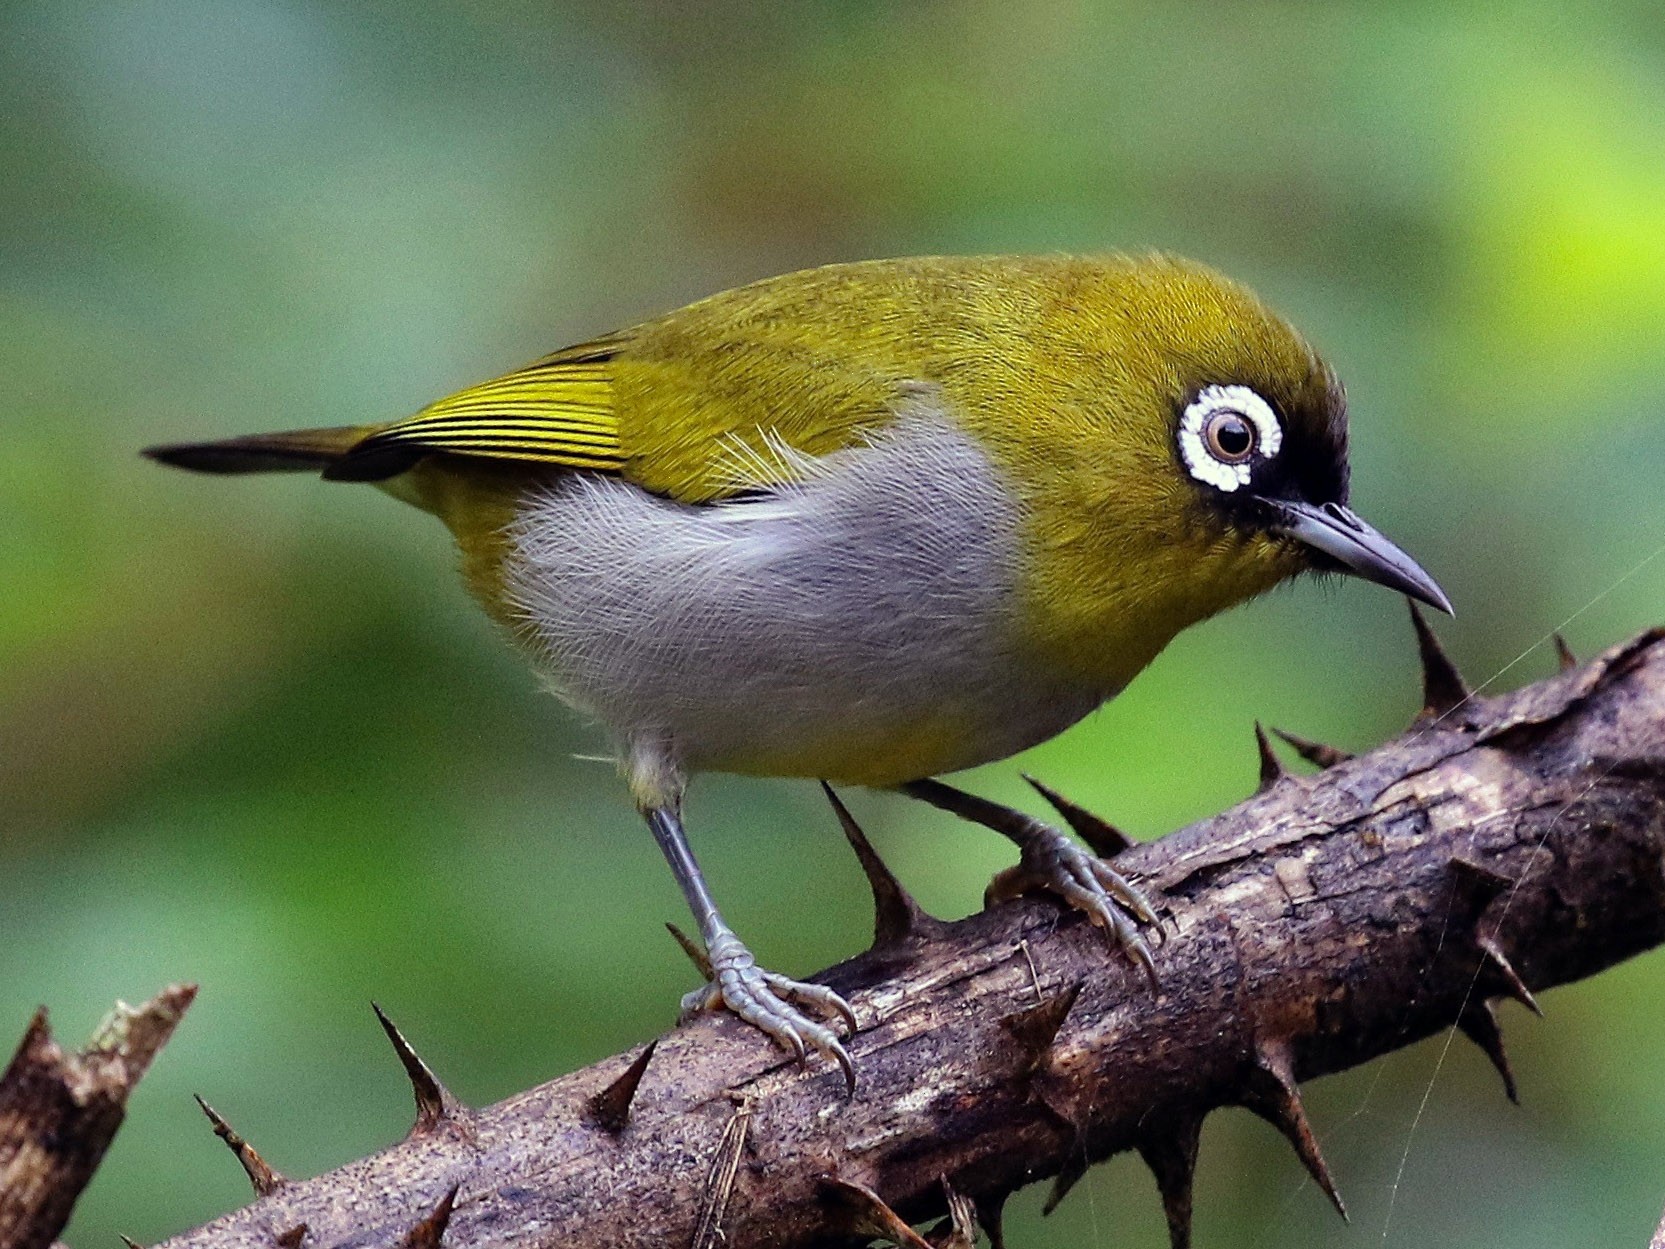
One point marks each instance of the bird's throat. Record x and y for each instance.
(1100, 620)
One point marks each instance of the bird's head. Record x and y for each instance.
(1258, 425)
(1211, 442)
(1253, 427)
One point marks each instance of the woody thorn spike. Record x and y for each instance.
(430, 1231)
(1069, 1174)
(1271, 767)
(1036, 1028)
(1443, 687)
(1563, 654)
(1478, 887)
(1273, 1095)
(610, 1109)
(1102, 837)
(896, 916)
(1502, 972)
(435, 1106)
(1478, 884)
(1315, 753)
(692, 949)
(1171, 1155)
(1479, 1024)
(991, 1217)
(261, 1175)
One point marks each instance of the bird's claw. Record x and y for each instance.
(771, 1003)
(1054, 863)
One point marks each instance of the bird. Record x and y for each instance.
(873, 523)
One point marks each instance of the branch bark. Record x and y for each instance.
(1502, 845)
(59, 1111)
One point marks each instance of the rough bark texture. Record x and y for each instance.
(59, 1112)
(1499, 844)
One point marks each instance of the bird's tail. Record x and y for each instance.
(295, 450)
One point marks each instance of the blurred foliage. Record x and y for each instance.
(252, 734)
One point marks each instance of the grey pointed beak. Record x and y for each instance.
(1359, 549)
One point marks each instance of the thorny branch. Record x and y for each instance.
(1500, 846)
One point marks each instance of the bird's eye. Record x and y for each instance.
(1223, 432)
(1229, 436)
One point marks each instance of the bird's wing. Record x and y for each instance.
(694, 426)
(739, 391)
(559, 410)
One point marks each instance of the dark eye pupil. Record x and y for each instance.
(1232, 436)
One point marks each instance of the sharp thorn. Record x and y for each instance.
(1564, 655)
(1273, 1096)
(36, 1037)
(865, 1213)
(294, 1237)
(991, 1217)
(896, 916)
(1315, 753)
(1037, 1027)
(1102, 837)
(1443, 687)
(610, 1109)
(130, 1242)
(264, 1179)
(434, 1103)
(1172, 1159)
(1497, 963)
(1069, 1175)
(692, 949)
(1271, 767)
(1480, 883)
(1479, 1024)
(431, 1230)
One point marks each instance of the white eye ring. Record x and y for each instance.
(1200, 461)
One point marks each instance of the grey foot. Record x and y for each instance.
(1051, 861)
(770, 1002)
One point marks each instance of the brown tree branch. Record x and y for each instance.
(1501, 846)
(59, 1111)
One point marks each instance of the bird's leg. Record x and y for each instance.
(764, 999)
(1051, 861)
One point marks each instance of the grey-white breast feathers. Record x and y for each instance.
(874, 592)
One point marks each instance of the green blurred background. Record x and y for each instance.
(252, 733)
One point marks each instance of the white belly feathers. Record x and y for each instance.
(867, 609)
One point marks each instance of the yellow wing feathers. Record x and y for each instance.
(700, 403)
(559, 411)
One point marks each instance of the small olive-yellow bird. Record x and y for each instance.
(874, 522)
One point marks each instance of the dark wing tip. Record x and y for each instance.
(291, 452)
(228, 457)
(375, 460)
